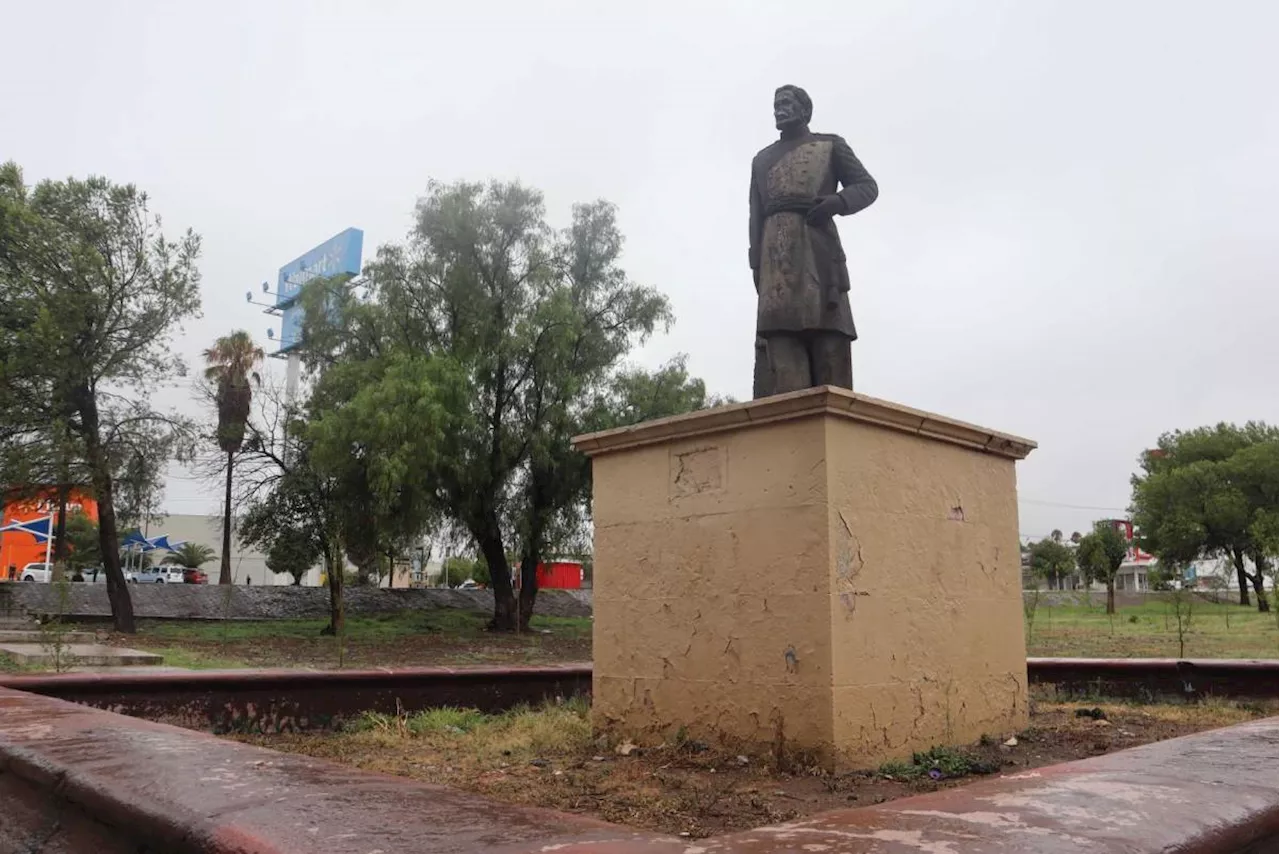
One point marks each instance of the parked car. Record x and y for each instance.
(469, 584)
(40, 572)
(165, 573)
(194, 576)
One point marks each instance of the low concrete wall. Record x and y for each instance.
(125, 784)
(230, 602)
(1148, 678)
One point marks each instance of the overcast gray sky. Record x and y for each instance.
(1076, 237)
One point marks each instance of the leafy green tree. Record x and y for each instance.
(459, 569)
(82, 541)
(90, 292)
(1099, 556)
(377, 431)
(1052, 561)
(286, 498)
(232, 363)
(1212, 492)
(299, 506)
(192, 555)
(476, 351)
(292, 552)
(480, 573)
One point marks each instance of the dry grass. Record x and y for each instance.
(523, 733)
(548, 757)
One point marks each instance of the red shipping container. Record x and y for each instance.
(560, 574)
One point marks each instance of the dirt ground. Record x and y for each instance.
(548, 757)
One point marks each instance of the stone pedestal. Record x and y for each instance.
(820, 570)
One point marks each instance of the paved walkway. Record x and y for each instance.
(78, 655)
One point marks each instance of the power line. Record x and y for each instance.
(1071, 506)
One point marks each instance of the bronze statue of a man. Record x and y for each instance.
(803, 323)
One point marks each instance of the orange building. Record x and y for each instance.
(17, 549)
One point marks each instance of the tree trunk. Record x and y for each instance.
(224, 574)
(1237, 557)
(1258, 578)
(60, 535)
(1111, 596)
(1263, 605)
(108, 539)
(489, 542)
(334, 569)
(528, 588)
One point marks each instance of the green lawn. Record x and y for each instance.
(448, 636)
(381, 627)
(1150, 630)
(441, 636)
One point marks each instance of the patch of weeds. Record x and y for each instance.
(449, 720)
(571, 627)
(550, 728)
(9, 665)
(54, 628)
(193, 660)
(938, 763)
(557, 727)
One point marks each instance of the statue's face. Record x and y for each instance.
(787, 109)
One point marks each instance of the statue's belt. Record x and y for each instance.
(835, 287)
(791, 204)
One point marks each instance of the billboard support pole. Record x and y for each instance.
(293, 367)
(337, 256)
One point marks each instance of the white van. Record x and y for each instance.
(42, 572)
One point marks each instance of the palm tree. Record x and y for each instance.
(192, 555)
(231, 361)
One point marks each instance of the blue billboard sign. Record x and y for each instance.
(338, 255)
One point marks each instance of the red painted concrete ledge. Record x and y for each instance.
(82, 779)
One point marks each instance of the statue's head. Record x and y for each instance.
(792, 107)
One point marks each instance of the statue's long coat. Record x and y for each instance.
(802, 277)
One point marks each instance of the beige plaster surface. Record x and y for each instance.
(821, 569)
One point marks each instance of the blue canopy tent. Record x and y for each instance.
(135, 542)
(163, 542)
(136, 539)
(41, 529)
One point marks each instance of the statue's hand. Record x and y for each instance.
(824, 209)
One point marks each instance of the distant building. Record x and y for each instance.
(1134, 574)
(248, 565)
(18, 548)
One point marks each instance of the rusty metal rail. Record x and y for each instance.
(293, 700)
